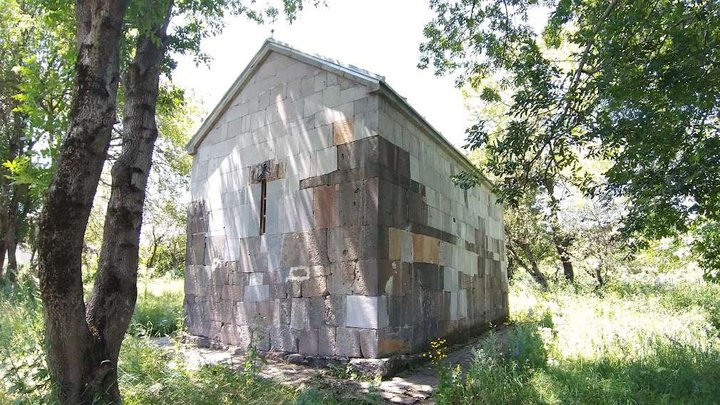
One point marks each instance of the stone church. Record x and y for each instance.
(323, 219)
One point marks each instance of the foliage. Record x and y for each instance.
(634, 83)
(708, 249)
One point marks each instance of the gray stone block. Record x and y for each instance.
(314, 287)
(299, 317)
(305, 249)
(235, 335)
(256, 293)
(281, 339)
(368, 340)
(307, 341)
(352, 243)
(244, 313)
(334, 314)
(366, 312)
(347, 342)
(316, 312)
(326, 341)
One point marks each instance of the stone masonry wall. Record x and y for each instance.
(444, 270)
(365, 254)
(300, 287)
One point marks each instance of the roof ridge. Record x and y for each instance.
(326, 59)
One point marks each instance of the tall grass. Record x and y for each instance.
(23, 374)
(629, 343)
(158, 311)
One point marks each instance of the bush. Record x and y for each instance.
(158, 315)
(707, 247)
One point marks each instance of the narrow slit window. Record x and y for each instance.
(263, 205)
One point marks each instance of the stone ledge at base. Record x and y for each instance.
(369, 368)
(382, 368)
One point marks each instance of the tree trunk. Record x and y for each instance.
(75, 365)
(533, 268)
(115, 291)
(561, 246)
(2, 259)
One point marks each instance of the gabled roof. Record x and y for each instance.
(374, 82)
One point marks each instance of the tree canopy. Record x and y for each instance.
(635, 83)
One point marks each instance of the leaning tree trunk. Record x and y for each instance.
(113, 300)
(74, 366)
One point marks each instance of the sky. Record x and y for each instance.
(380, 36)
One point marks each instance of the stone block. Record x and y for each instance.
(326, 341)
(395, 340)
(299, 317)
(235, 335)
(426, 249)
(325, 207)
(307, 341)
(366, 312)
(428, 275)
(342, 131)
(233, 292)
(451, 279)
(314, 287)
(347, 342)
(256, 279)
(293, 289)
(368, 340)
(282, 310)
(282, 339)
(197, 252)
(243, 313)
(342, 277)
(335, 306)
(359, 153)
(462, 304)
(256, 293)
(305, 249)
(394, 278)
(352, 243)
(395, 243)
(392, 205)
(266, 313)
(326, 160)
(316, 312)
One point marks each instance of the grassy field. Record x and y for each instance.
(632, 342)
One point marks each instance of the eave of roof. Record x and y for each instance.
(375, 83)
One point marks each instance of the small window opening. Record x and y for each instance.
(263, 205)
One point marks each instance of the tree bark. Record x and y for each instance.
(533, 269)
(561, 246)
(74, 366)
(115, 291)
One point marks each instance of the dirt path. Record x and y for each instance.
(413, 386)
